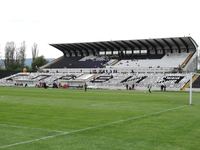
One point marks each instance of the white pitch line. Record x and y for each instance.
(24, 127)
(90, 128)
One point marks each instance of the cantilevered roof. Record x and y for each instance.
(166, 44)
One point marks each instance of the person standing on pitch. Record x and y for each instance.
(149, 87)
(85, 87)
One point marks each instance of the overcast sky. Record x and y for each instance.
(67, 21)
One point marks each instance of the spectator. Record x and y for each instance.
(55, 85)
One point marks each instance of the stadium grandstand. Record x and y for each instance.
(118, 64)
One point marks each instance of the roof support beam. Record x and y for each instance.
(167, 43)
(153, 46)
(108, 47)
(92, 49)
(129, 45)
(71, 48)
(177, 45)
(160, 44)
(134, 43)
(89, 50)
(78, 48)
(121, 45)
(185, 44)
(118, 47)
(66, 49)
(114, 45)
(83, 48)
(97, 49)
(102, 47)
(147, 48)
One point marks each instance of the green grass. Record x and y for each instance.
(78, 120)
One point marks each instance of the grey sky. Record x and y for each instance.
(66, 21)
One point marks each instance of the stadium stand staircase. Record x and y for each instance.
(187, 85)
(68, 77)
(140, 79)
(102, 78)
(114, 62)
(16, 76)
(187, 60)
(126, 79)
(40, 77)
(86, 77)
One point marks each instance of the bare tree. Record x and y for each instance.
(9, 60)
(1, 61)
(21, 54)
(35, 51)
(14, 58)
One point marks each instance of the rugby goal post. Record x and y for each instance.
(190, 91)
(193, 77)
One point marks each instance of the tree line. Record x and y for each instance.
(14, 57)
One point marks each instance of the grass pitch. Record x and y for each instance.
(55, 119)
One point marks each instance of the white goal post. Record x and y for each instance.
(191, 88)
(190, 91)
